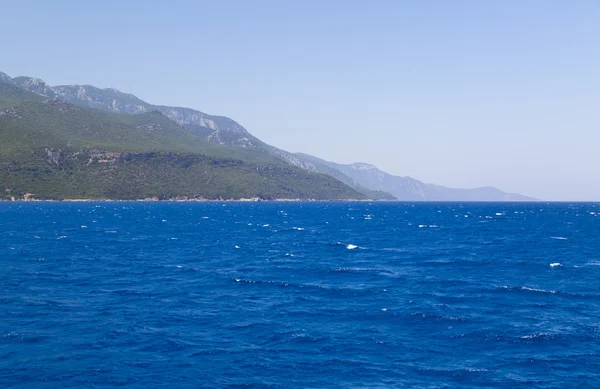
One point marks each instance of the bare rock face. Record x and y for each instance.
(149, 127)
(10, 113)
(104, 157)
(5, 79)
(54, 156)
(35, 85)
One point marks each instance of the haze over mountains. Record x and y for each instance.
(407, 188)
(234, 141)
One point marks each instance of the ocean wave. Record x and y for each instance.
(540, 291)
(556, 337)
(355, 269)
(322, 287)
(419, 316)
(527, 288)
(369, 270)
(23, 337)
(451, 372)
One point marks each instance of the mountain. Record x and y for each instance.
(58, 150)
(317, 165)
(217, 129)
(5, 79)
(363, 178)
(363, 175)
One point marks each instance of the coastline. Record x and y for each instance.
(241, 200)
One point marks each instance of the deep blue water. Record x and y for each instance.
(274, 295)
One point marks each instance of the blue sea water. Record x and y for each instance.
(306, 295)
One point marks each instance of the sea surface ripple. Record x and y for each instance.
(307, 295)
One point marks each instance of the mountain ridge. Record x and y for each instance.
(56, 150)
(363, 177)
(113, 100)
(411, 189)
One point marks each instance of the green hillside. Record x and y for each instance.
(56, 150)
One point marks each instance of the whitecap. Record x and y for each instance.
(265, 225)
(83, 226)
(237, 247)
(556, 264)
(537, 290)
(559, 238)
(533, 336)
(351, 247)
(62, 237)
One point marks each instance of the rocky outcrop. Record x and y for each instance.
(35, 85)
(5, 79)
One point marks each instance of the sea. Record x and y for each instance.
(299, 295)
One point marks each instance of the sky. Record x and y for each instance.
(457, 93)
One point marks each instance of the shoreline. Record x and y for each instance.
(185, 201)
(283, 200)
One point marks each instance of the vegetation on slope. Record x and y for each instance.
(56, 150)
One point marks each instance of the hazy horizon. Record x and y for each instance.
(462, 94)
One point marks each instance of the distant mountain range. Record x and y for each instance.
(363, 178)
(406, 188)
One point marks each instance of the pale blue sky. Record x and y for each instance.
(458, 93)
